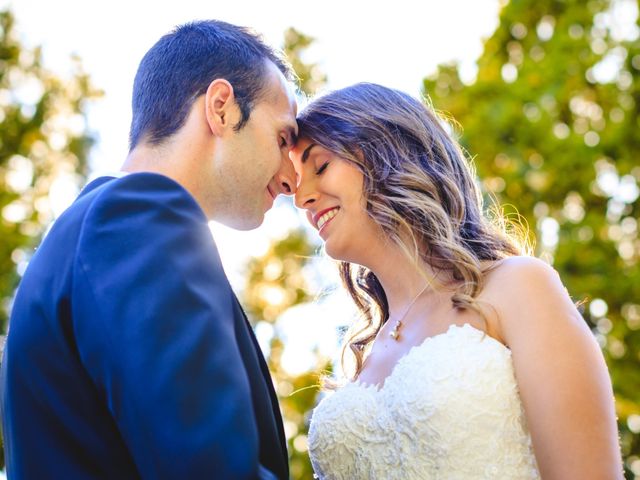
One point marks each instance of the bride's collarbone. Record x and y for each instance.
(386, 352)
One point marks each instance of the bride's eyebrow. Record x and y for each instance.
(307, 152)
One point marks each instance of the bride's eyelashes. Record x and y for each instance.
(322, 168)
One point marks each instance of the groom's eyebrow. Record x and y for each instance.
(307, 152)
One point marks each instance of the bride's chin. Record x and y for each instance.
(331, 251)
(336, 253)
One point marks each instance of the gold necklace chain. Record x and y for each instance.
(395, 333)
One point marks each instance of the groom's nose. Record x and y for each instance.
(286, 177)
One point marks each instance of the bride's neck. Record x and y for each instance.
(402, 279)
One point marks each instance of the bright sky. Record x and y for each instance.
(393, 43)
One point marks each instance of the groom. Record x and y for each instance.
(128, 355)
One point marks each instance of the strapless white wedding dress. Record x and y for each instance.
(449, 410)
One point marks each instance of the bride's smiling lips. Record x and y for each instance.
(316, 219)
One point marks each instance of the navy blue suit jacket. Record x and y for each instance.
(128, 355)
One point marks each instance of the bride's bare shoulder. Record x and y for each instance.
(525, 290)
(514, 272)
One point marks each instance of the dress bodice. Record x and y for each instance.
(450, 409)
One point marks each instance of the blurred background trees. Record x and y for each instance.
(44, 146)
(550, 118)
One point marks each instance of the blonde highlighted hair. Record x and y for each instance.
(419, 187)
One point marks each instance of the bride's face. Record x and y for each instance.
(330, 189)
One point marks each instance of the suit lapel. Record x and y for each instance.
(269, 383)
(264, 370)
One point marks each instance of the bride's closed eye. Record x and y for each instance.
(322, 168)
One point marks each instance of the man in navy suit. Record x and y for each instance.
(128, 355)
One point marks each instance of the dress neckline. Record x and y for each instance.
(378, 388)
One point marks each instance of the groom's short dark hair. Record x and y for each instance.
(182, 64)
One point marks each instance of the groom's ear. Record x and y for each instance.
(220, 106)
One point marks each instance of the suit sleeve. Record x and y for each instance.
(154, 327)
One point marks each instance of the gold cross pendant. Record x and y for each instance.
(395, 333)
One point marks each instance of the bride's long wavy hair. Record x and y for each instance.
(419, 187)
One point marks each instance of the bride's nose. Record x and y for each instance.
(306, 196)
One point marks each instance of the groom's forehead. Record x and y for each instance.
(283, 107)
(280, 93)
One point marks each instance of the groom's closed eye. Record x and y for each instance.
(288, 138)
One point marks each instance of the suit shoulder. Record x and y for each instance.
(137, 193)
(143, 183)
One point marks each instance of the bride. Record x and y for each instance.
(472, 360)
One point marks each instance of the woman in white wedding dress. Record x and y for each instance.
(471, 360)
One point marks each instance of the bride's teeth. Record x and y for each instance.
(326, 217)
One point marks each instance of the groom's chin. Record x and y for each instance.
(243, 223)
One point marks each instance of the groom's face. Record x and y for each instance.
(258, 167)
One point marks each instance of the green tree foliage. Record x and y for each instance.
(276, 282)
(552, 123)
(43, 150)
(310, 76)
